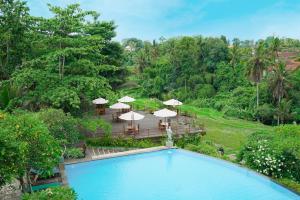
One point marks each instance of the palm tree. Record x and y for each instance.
(274, 49)
(278, 84)
(284, 110)
(256, 68)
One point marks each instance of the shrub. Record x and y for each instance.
(73, 153)
(183, 140)
(56, 193)
(237, 112)
(92, 124)
(265, 113)
(108, 141)
(274, 153)
(61, 126)
(205, 91)
(204, 148)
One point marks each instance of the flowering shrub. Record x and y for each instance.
(274, 153)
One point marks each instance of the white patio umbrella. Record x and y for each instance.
(165, 113)
(100, 101)
(131, 116)
(172, 102)
(126, 99)
(119, 106)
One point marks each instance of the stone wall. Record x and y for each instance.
(11, 191)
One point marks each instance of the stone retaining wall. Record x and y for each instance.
(11, 191)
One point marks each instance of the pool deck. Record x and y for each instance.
(148, 126)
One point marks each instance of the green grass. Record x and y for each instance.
(231, 133)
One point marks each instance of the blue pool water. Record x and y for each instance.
(170, 175)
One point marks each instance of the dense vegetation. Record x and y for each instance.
(64, 61)
(274, 153)
(52, 68)
(243, 79)
(56, 193)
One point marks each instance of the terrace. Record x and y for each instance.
(149, 126)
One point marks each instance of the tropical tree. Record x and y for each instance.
(30, 137)
(12, 154)
(284, 111)
(257, 66)
(72, 61)
(279, 84)
(62, 126)
(14, 26)
(274, 47)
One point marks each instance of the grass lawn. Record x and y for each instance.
(230, 133)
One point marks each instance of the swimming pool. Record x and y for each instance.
(170, 175)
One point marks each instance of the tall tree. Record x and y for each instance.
(257, 66)
(279, 84)
(14, 25)
(274, 47)
(73, 61)
(38, 149)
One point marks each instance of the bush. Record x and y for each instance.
(62, 126)
(73, 153)
(108, 141)
(265, 113)
(92, 124)
(186, 139)
(204, 148)
(202, 103)
(205, 91)
(274, 153)
(237, 112)
(56, 193)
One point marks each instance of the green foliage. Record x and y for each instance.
(290, 184)
(56, 193)
(12, 154)
(73, 153)
(61, 126)
(183, 140)
(205, 91)
(275, 153)
(92, 124)
(147, 104)
(204, 148)
(265, 113)
(211, 72)
(14, 38)
(26, 135)
(66, 69)
(230, 133)
(108, 141)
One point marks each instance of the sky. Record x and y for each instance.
(152, 19)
